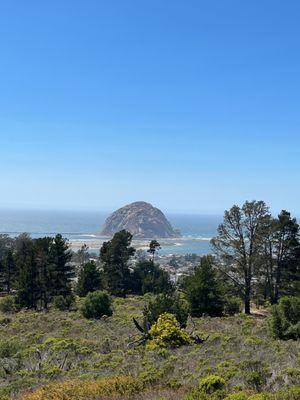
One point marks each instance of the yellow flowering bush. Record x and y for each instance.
(166, 332)
(211, 383)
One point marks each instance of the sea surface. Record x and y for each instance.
(78, 226)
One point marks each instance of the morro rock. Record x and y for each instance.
(142, 220)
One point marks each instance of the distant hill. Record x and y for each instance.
(142, 220)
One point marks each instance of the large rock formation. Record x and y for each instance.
(142, 220)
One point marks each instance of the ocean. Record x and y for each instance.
(85, 226)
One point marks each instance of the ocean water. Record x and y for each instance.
(196, 230)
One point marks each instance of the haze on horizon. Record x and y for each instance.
(189, 105)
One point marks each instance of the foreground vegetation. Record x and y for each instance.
(116, 327)
(40, 349)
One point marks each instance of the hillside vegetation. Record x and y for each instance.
(117, 327)
(61, 355)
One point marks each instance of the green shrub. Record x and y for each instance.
(211, 384)
(288, 393)
(8, 348)
(97, 304)
(237, 396)
(5, 321)
(256, 379)
(232, 305)
(285, 318)
(7, 304)
(258, 396)
(166, 332)
(64, 303)
(256, 373)
(174, 303)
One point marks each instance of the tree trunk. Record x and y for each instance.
(277, 284)
(247, 298)
(247, 306)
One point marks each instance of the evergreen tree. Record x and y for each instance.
(28, 277)
(45, 270)
(114, 256)
(239, 243)
(89, 279)
(82, 255)
(7, 264)
(148, 277)
(154, 246)
(63, 272)
(6, 243)
(281, 257)
(204, 290)
(9, 271)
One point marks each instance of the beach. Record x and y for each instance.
(181, 245)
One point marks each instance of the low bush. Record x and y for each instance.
(5, 321)
(97, 304)
(64, 303)
(78, 389)
(237, 396)
(174, 303)
(9, 348)
(291, 393)
(285, 318)
(232, 305)
(258, 396)
(256, 373)
(166, 332)
(8, 305)
(211, 384)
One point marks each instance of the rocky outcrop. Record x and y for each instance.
(142, 220)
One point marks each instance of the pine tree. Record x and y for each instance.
(9, 271)
(114, 256)
(28, 279)
(204, 290)
(82, 255)
(281, 257)
(239, 243)
(45, 270)
(154, 246)
(63, 271)
(148, 277)
(7, 264)
(89, 279)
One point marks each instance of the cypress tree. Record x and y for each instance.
(114, 256)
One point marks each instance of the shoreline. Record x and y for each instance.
(94, 244)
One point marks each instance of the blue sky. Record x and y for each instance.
(191, 105)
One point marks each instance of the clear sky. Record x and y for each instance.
(191, 105)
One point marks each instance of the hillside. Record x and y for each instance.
(37, 348)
